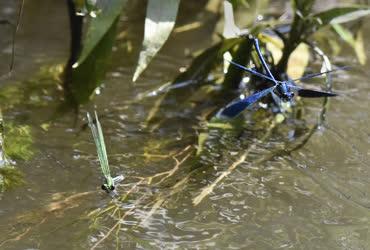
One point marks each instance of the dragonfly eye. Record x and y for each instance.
(105, 188)
(288, 96)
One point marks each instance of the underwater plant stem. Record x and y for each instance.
(170, 172)
(20, 12)
(14, 36)
(298, 32)
(207, 190)
(234, 75)
(119, 221)
(75, 26)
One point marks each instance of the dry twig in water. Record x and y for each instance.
(209, 189)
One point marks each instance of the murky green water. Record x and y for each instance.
(314, 198)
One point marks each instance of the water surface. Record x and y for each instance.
(314, 198)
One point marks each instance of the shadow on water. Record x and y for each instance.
(281, 195)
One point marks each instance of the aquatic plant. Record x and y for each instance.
(90, 53)
(16, 145)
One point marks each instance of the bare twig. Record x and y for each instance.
(117, 224)
(170, 172)
(20, 11)
(21, 235)
(15, 30)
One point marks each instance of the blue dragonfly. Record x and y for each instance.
(280, 90)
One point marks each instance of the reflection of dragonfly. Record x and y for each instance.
(281, 90)
(97, 133)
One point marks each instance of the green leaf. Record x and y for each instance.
(230, 28)
(357, 43)
(87, 76)
(341, 14)
(303, 7)
(159, 22)
(109, 11)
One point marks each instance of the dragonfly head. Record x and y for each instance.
(287, 96)
(107, 188)
(285, 92)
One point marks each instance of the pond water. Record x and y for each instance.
(313, 198)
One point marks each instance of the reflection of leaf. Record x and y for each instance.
(100, 25)
(342, 14)
(159, 22)
(85, 78)
(357, 44)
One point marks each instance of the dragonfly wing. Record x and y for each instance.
(311, 93)
(276, 99)
(103, 153)
(97, 133)
(260, 56)
(309, 76)
(251, 71)
(237, 106)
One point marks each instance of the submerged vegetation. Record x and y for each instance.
(241, 100)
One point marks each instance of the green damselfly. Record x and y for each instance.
(97, 132)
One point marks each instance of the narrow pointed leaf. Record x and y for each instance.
(159, 22)
(230, 29)
(108, 12)
(89, 74)
(342, 14)
(357, 43)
